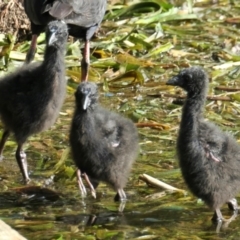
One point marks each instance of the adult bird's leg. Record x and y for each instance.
(5, 136)
(22, 162)
(93, 192)
(80, 184)
(32, 50)
(85, 61)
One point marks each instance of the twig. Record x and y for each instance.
(228, 89)
(152, 125)
(157, 183)
(213, 98)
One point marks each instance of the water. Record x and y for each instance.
(38, 214)
(140, 94)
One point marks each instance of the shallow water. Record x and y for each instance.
(38, 213)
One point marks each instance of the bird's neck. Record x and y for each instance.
(194, 104)
(192, 114)
(54, 59)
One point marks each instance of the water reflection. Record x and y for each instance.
(31, 210)
(59, 211)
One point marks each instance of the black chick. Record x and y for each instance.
(82, 16)
(209, 158)
(104, 144)
(31, 97)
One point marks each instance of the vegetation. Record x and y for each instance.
(139, 46)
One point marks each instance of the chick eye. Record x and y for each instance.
(53, 29)
(86, 90)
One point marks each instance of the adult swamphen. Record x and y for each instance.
(82, 16)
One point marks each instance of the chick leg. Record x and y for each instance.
(22, 163)
(80, 184)
(93, 192)
(5, 136)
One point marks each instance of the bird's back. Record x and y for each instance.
(35, 12)
(80, 13)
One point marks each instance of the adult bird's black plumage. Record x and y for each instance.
(209, 158)
(82, 16)
(104, 144)
(31, 97)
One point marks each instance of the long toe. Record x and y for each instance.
(25, 167)
(81, 185)
(225, 222)
(27, 181)
(93, 192)
(82, 188)
(217, 216)
(232, 204)
(217, 219)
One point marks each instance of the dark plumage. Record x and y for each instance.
(104, 144)
(82, 16)
(31, 97)
(209, 158)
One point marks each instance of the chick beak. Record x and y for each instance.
(173, 81)
(52, 38)
(86, 101)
